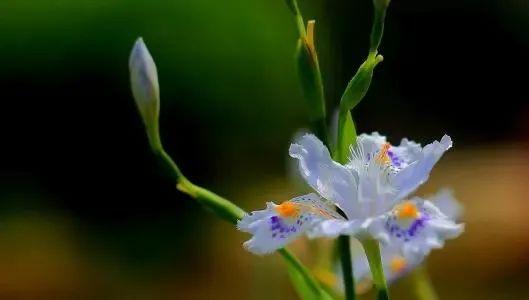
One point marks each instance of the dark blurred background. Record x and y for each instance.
(87, 212)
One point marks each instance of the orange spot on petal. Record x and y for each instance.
(398, 264)
(287, 210)
(407, 210)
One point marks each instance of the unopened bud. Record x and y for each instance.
(145, 89)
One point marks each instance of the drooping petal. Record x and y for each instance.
(417, 226)
(278, 225)
(329, 178)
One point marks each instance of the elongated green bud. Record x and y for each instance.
(311, 82)
(145, 89)
(359, 85)
(354, 93)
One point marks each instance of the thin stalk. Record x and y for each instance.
(309, 279)
(344, 246)
(228, 211)
(422, 284)
(346, 136)
(377, 30)
(294, 8)
(372, 250)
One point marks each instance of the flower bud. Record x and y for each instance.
(145, 89)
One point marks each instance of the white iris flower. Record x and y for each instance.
(370, 190)
(397, 261)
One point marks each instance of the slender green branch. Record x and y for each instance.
(294, 8)
(378, 24)
(423, 287)
(358, 86)
(145, 88)
(230, 212)
(309, 279)
(171, 165)
(344, 246)
(372, 250)
(346, 136)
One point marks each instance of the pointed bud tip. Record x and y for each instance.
(139, 44)
(140, 53)
(144, 85)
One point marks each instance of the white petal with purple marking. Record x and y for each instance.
(278, 225)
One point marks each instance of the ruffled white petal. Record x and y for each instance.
(329, 178)
(447, 204)
(405, 167)
(371, 143)
(278, 225)
(418, 164)
(419, 236)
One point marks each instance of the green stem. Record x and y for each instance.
(177, 174)
(372, 250)
(346, 136)
(377, 29)
(230, 212)
(309, 279)
(294, 8)
(344, 246)
(423, 287)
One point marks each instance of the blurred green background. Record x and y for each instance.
(87, 213)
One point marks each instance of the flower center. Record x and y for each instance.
(398, 264)
(287, 210)
(382, 156)
(406, 221)
(407, 210)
